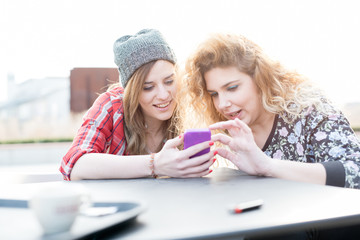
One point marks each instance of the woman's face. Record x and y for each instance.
(157, 96)
(234, 94)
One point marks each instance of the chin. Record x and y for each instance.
(164, 117)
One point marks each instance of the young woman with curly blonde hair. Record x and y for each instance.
(274, 122)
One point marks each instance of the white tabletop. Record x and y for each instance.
(199, 207)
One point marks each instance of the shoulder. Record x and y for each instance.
(113, 94)
(326, 120)
(116, 92)
(109, 101)
(323, 112)
(112, 97)
(324, 116)
(317, 112)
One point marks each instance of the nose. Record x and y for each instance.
(163, 93)
(223, 102)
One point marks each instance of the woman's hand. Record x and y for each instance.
(172, 162)
(245, 154)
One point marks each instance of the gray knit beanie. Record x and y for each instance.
(131, 52)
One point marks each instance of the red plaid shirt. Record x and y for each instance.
(101, 132)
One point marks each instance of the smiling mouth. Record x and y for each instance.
(234, 114)
(163, 105)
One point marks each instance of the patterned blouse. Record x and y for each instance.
(315, 137)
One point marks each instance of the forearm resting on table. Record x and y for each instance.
(298, 171)
(108, 166)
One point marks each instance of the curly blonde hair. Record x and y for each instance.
(282, 91)
(135, 129)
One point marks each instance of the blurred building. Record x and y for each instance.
(46, 98)
(51, 107)
(352, 112)
(87, 83)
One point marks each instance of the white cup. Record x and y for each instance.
(56, 207)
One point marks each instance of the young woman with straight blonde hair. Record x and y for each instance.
(133, 130)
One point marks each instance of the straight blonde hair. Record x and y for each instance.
(135, 129)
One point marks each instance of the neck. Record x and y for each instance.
(154, 135)
(261, 131)
(263, 123)
(154, 127)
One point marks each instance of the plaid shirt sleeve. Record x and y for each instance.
(97, 133)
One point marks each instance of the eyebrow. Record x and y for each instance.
(225, 85)
(165, 78)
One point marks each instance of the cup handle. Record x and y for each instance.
(85, 201)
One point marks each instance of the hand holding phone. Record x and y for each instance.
(195, 136)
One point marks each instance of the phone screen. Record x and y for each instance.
(195, 136)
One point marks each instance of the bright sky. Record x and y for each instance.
(47, 38)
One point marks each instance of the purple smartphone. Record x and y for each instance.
(195, 136)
